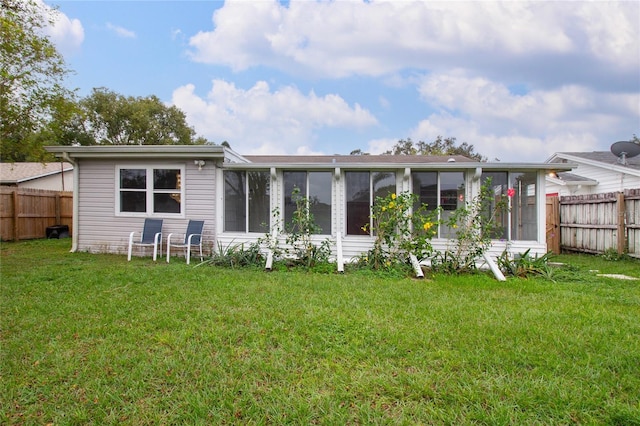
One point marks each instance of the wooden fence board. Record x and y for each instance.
(26, 213)
(598, 222)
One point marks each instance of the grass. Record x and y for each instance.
(93, 339)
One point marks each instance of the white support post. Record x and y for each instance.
(269, 264)
(494, 268)
(339, 260)
(416, 265)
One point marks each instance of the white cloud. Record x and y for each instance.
(261, 121)
(120, 31)
(67, 34)
(337, 39)
(528, 127)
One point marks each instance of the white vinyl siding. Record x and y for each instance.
(101, 230)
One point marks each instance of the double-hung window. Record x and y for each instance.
(246, 201)
(150, 190)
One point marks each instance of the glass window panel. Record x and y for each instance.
(425, 186)
(166, 203)
(259, 201)
(384, 184)
(293, 180)
(498, 188)
(133, 178)
(524, 217)
(235, 212)
(451, 197)
(166, 179)
(320, 200)
(358, 201)
(133, 201)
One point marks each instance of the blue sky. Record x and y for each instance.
(518, 80)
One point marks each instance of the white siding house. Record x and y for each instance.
(595, 173)
(117, 187)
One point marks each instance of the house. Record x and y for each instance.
(117, 187)
(50, 176)
(595, 173)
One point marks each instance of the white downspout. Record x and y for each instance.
(76, 201)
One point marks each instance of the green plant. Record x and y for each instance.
(475, 224)
(299, 248)
(401, 226)
(612, 254)
(237, 255)
(524, 265)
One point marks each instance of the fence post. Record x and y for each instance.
(621, 225)
(58, 208)
(16, 211)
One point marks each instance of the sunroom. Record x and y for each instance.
(257, 196)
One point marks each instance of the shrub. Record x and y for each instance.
(236, 255)
(300, 250)
(401, 226)
(524, 265)
(475, 224)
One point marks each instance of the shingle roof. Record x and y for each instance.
(351, 159)
(606, 157)
(13, 173)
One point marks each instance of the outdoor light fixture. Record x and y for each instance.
(199, 163)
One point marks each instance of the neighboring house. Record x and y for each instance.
(117, 187)
(51, 176)
(595, 173)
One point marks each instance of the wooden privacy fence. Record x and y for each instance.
(599, 222)
(26, 213)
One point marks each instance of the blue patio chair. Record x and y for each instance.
(151, 236)
(193, 237)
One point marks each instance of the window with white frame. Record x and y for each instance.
(150, 190)
(440, 189)
(316, 188)
(362, 189)
(246, 201)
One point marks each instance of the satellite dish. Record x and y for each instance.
(624, 150)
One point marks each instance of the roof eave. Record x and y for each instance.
(140, 151)
(451, 166)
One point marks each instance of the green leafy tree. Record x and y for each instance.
(32, 73)
(441, 146)
(108, 118)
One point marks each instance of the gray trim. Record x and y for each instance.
(141, 151)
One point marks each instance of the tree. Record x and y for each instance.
(106, 117)
(441, 146)
(32, 72)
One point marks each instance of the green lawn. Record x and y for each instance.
(93, 339)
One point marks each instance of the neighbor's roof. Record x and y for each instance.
(14, 173)
(602, 157)
(565, 178)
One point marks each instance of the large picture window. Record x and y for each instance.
(316, 188)
(445, 190)
(362, 188)
(246, 201)
(150, 191)
(498, 184)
